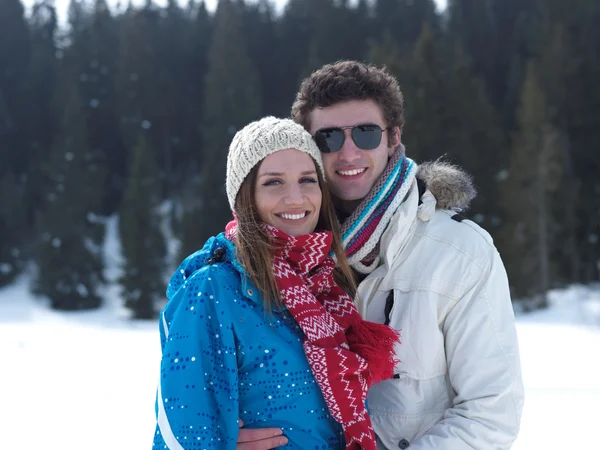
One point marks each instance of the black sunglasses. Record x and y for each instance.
(365, 136)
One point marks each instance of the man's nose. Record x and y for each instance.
(349, 151)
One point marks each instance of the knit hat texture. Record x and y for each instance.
(259, 139)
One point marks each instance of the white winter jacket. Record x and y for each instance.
(458, 385)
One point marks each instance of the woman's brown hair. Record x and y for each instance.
(254, 249)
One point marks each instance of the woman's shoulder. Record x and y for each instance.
(210, 285)
(204, 284)
(215, 259)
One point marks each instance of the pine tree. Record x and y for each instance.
(157, 65)
(472, 134)
(404, 19)
(387, 52)
(448, 115)
(231, 102)
(259, 27)
(14, 62)
(173, 56)
(196, 66)
(99, 67)
(514, 28)
(69, 254)
(345, 42)
(584, 134)
(425, 98)
(535, 177)
(293, 36)
(89, 63)
(141, 239)
(12, 218)
(139, 85)
(14, 151)
(472, 24)
(556, 56)
(569, 55)
(193, 90)
(40, 94)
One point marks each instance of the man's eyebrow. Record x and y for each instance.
(279, 174)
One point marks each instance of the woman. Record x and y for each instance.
(259, 324)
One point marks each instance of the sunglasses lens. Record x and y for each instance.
(366, 137)
(329, 140)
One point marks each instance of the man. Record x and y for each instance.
(423, 269)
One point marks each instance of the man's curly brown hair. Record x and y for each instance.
(349, 80)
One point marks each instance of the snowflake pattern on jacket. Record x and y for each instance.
(224, 357)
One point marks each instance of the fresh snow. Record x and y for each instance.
(87, 380)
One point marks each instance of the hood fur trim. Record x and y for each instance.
(451, 186)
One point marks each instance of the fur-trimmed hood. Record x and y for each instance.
(451, 186)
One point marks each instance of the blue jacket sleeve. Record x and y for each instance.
(197, 400)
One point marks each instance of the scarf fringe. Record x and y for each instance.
(375, 343)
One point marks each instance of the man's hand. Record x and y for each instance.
(259, 438)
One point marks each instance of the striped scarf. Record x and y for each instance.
(362, 230)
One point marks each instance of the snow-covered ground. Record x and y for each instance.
(560, 357)
(74, 381)
(87, 380)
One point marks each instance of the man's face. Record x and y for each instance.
(351, 172)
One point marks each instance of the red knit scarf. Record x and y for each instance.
(346, 353)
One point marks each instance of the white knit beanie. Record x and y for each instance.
(258, 140)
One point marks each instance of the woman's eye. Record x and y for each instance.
(308, 180)
(271, 182)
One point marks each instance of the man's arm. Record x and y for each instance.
(484, 369)
(259, 438)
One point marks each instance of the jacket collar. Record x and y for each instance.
(401, 228)
(447, 187)
(248, 288)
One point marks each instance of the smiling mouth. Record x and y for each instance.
(293, 216)
(351, 172)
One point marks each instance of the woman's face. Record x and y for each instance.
(287, 192)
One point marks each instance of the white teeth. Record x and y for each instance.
(351, 172)
(293, 216)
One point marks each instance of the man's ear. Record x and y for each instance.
(394, 140)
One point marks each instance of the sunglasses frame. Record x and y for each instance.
(319, 132)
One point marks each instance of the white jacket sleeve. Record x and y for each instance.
(483, 366)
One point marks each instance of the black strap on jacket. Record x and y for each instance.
(389, 304)
(422, 188)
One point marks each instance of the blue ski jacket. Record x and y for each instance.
(224, 357)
